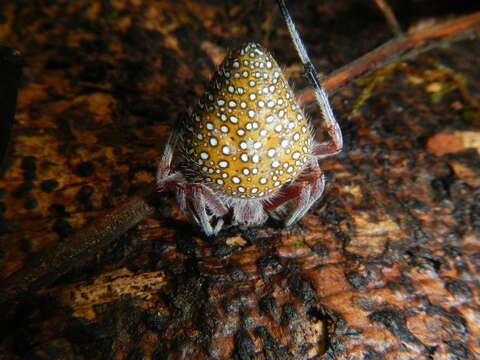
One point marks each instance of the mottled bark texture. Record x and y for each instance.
(386, 266)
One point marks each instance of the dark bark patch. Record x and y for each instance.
(184, 241)
(301, 288)
(289, 313)
(29, 168)
(243, 345)
(85, 169)
(271, 349)
(269, 265)
(267, 305)
(156, 320)
(63, 228)
(320, 249)
(49, 185)
(358, 281)
(394, 321)
(23, 189)
(30, 203)
(459, 288)
(458, 350)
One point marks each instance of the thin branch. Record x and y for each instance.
(390, 16)
(415, 42)
(53, 263)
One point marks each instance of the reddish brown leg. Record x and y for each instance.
(304, 193)
(195, 199)
(322, 150)
(164, 167)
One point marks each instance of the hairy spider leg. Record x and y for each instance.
(303, 192)
(202, 197)
(164, 166)
(335, 145)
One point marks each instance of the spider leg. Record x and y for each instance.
(213, 201)
(335, 145)
(202, 198)
(165, 180)
(199, 213)
(164, 166)
(248, 212)
(304, 193)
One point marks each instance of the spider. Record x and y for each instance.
(247, 146)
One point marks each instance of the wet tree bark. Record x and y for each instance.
(10, 69)
(385, 266)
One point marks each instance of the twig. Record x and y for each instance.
(53, 263)
(56, 261)
(415, 42)
(390, 16)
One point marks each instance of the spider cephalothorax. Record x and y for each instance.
(247, 146)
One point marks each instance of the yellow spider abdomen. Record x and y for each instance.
(247, 136)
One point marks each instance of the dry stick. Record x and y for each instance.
(410, 45)
(390, 16)
(53, 262)
(56, 261)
